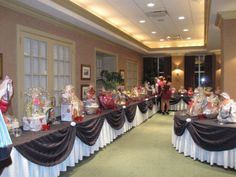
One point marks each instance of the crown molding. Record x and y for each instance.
(224, 15)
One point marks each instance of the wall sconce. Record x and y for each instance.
(177, 70)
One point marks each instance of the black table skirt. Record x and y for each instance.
(48, 148)
(209, 134)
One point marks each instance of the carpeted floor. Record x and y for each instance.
(145, 151)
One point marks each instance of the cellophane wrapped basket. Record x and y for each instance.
(106, 100)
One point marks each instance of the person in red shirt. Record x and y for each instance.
(165, 96)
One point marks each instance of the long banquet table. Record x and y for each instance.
(206, 140)
(47, 153)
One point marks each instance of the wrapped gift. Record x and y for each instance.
(66, 112)
(71, 106)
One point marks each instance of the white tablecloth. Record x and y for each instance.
(21, 167)
(185, 144)
(181, 105)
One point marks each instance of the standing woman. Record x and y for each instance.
(166, 95)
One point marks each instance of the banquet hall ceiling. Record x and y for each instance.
(132, 23)
(153, 23)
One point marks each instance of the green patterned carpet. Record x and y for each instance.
(145, 151)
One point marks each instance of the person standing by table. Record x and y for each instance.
(165, 96)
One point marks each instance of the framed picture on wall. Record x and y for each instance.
(1, 64)
(85, 72)
(83, 91)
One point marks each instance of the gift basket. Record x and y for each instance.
(120, 97)
(106, 100)
(90, 103)
(134, 94)
(109, 81)
(150, 89)
(198, 103)
(35, 115)
(72, 109)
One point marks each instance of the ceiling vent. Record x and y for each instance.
(157, 14)
(174, 37)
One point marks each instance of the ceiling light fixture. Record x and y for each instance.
(188, 38)
(154, 32)
(168, 37)
(185, 30)
(162, 40)
(150, 4)
(181, 17)
(142, 21)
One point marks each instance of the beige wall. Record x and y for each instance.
(228, 72)
(177, 74)
(85, 43)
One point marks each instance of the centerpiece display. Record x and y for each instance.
(90, 103)
(110, 81)
(36, 107)
(72, 109)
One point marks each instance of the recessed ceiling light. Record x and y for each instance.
(154, 32)
(162, 40)
(185, 30)
(181, 17)
(150, 4)
(168, 37)
(188, 38)
(142, 21)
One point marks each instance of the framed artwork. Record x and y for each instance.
(85, 72)
(1, 64)
(122, 73)
(84, 88)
